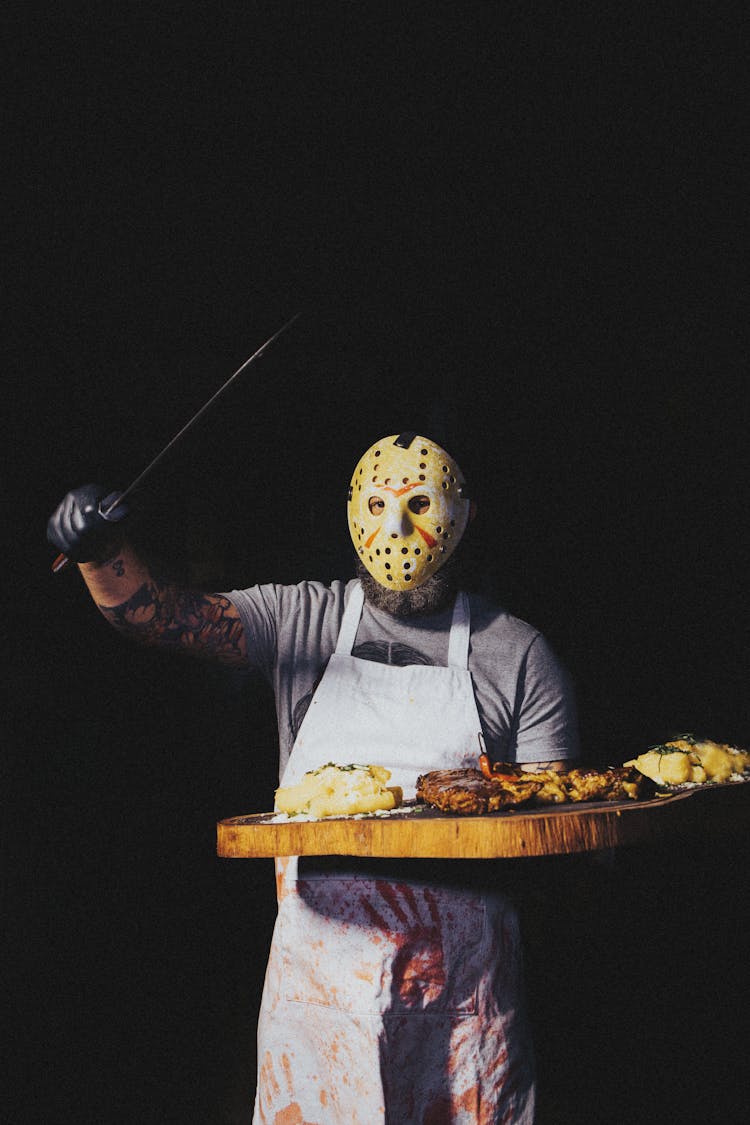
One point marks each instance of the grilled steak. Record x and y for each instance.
(470, 792)
(467, 791)
(613, 784)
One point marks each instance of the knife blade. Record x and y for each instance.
(62, 560)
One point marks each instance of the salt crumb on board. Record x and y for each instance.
(284, 818)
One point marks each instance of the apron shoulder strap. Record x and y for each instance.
(458, 645)
(350, 621)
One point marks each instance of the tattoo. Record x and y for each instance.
(206, 625)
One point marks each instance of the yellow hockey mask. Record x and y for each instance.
(407, 510)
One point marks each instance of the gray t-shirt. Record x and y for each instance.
(524, 696)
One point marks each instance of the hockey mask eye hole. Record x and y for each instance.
(376, 504)
(419, 505)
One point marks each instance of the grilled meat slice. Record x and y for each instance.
(614, 784)
(471, 792)
(468, 792)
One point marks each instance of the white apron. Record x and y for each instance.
(391, 1001)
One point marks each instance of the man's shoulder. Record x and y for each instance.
(276, 599)
(490, 615)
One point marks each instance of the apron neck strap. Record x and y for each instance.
(350, 621)
(458, 644)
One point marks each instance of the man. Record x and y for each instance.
(393, 991)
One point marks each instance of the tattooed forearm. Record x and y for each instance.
(155, 612)
(206, 625)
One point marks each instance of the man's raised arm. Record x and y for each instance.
(134, 601)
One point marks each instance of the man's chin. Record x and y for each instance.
(434, 594)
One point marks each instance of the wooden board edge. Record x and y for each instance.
(543, 832)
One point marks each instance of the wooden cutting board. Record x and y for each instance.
(420, 832)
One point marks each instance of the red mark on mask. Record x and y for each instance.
(427, 537)
(401, 491)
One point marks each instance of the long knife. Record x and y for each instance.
(63, 560)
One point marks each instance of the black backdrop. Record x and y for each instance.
(516, 227)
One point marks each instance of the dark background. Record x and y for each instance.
(518, 227)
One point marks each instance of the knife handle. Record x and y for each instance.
(112, 501)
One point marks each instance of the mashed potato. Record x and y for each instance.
(333, 790)
(690, 761)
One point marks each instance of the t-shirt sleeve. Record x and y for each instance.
(289, 628)
(546, 722)
(257, 607)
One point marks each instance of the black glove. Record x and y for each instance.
(78, 528)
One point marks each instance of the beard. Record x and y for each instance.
(436, 593)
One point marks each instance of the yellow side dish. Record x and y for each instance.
(339, 790)
(689, 761)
